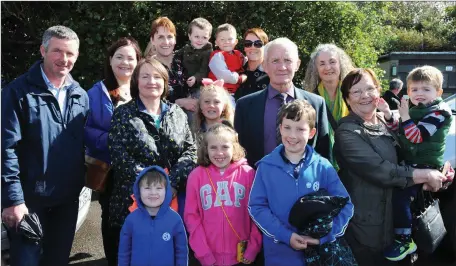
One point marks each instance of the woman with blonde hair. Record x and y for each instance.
(325, 71)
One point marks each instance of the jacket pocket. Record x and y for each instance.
(368, 223)
(369, 202)
(368, 235)
(77, 106)
(369, 217)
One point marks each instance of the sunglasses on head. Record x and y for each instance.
(257, 43)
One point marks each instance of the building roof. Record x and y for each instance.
(419, 55)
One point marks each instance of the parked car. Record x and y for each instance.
(448, 197)
(84, 204)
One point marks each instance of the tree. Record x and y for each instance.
(364, 29)
(450, 18)
(420, 26)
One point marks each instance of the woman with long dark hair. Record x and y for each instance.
(105, 96)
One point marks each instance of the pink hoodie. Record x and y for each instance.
(211, 236)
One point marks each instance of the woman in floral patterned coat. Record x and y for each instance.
(147, 131)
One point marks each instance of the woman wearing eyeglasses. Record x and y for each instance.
(254, 41)
(370, 170)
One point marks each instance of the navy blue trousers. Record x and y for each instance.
(110, 234)
(59, 225)
(402, 198)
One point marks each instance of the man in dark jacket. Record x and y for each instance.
(395, 88)
(256, 114)
(44, 112)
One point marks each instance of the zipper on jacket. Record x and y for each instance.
(296, 183)
(152, 230)
(58, 113)
(297, 188)
(223, 230)
(67, 109)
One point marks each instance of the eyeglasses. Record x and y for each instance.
(357, 93)
(257, 43)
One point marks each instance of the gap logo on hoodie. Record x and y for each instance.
(223, 194)
(211, 235)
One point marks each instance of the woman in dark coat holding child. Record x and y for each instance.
(369, 168)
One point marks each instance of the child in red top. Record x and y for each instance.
(218, 221)
(226, 62)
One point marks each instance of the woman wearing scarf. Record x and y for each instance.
(327, 68)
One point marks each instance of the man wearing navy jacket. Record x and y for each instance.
(43, 117)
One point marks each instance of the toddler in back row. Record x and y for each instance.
(227, 63)
(422, 131)
(195, 55)
(195, 60)
(221, 230)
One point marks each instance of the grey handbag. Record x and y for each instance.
(428, 230)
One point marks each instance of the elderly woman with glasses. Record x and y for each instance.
(254, 41)
(370, 170)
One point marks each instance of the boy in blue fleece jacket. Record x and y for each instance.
(153, 234)
(290, 171)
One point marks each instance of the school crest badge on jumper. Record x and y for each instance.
(166, 236)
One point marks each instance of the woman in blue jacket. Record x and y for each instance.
(122, 57)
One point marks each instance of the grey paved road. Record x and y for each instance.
(87, 246)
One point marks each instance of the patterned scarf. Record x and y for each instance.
(338, 110)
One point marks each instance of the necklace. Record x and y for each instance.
(124, 92)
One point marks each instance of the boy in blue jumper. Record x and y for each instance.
(290, 171)
(153, 234)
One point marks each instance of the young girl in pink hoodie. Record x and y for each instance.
(218, 221)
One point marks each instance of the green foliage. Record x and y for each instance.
(422, 26)
(450, 18)
(364, 29)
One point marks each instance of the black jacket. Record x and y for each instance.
(257, 80)
(135, 142)
(249, 123)
(388, 96)
(370, 171)
(195, 62)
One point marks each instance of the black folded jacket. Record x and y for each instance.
(30, 228)
(313, 214)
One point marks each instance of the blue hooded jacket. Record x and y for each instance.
(146, 241)
(274, 192)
